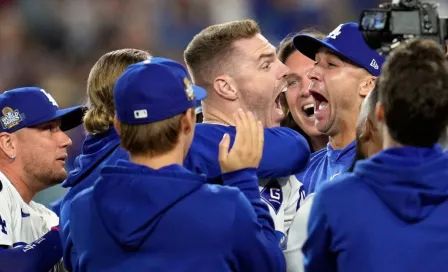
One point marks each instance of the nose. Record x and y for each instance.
(64, 140)
(314, 74)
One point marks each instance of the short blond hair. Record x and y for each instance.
(151, 139)
(100, 87)
(209, 52)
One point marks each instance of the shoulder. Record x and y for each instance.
(338, 187)
(81, 199)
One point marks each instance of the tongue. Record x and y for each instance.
(323, 105)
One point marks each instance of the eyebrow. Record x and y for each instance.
(266, 56)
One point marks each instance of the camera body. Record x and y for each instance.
(386, 27)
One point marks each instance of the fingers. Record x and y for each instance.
(224, 148)
(251, 132)
(240, 135)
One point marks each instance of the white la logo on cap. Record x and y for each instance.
(50, 98)
(335, 33)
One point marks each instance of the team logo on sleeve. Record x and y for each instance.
(188, 89)
(10, 118)
(272, 194)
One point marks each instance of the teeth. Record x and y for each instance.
(323, 106)
(285, 89)
(308, 106)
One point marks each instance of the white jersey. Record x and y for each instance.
(22, 223)
(283, 197)
(297, 237)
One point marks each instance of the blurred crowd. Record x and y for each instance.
(54, 43)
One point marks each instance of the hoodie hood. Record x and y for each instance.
(95, 149)
(130, 199)
(411, 181)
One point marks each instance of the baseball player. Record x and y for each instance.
(33, 150)
(239, 69)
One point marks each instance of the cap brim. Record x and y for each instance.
(309, 46)
(199, 93)
(70, 117)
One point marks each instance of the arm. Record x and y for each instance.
(285, 153)
(316, 250)
(41, 255)
(254, 247)
(246, 181)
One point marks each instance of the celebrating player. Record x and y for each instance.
(239, 69)
(344, 73)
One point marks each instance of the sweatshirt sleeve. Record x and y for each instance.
(285, 153)
(246, 181)
(254, 247)
(40, 256)
(317, 254)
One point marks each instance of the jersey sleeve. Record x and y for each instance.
(5, 218)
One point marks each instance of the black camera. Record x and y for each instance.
(386, 27)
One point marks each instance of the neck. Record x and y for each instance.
(319, 142)
(20, 182)
(215, 115)
(175, 156)
(343, 139)
(388, 142)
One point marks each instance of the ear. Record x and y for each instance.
(188, 121)
(366, 86)
(117, 124)
(379, 113)
(7, 145)
(225, 87)
(366, 131)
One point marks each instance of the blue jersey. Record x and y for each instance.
(326, 164)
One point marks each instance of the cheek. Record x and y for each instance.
(291, 96)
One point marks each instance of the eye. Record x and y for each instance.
(266, 66)
(331, 64)
(292, 82)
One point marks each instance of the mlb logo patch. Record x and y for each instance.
(10, 118)
(140, 114)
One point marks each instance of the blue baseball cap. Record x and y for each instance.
(346, 40)
(154, 90)
(32, 106)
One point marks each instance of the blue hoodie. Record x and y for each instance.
(285, 153)
(97, 150)
(139, 219)
(389, 215)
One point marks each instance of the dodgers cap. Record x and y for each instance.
(154, 90)
(32, 106)
(346, 40)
